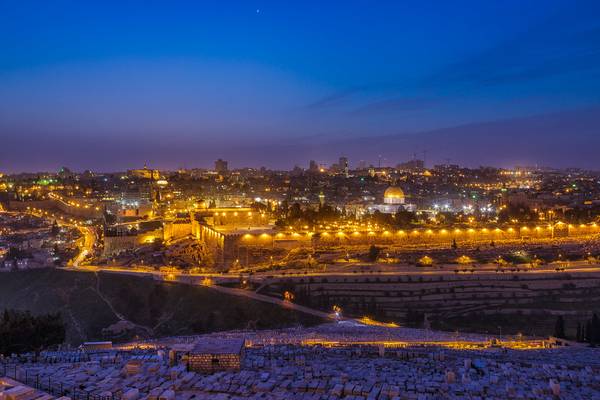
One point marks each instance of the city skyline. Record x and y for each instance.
(300, 200)
(277, 84)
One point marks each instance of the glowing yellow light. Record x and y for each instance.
(288, 296)
(372, 322)
(426, 260)
(464, 260)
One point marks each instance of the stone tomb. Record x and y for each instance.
(209, 356)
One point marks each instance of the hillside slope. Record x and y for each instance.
(524, 302)
(134, 306)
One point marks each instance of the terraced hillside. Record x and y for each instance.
(509, 303)
(111, 306)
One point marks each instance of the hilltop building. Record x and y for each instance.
(144, 173)
(394, 200)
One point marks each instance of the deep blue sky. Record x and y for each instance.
(112, 84)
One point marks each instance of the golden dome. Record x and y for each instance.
(393, 192)
(393, 195)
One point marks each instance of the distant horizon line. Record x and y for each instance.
(327, 165)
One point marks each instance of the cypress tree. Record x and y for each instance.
(589, 334)
(595, 328)
(559, 327)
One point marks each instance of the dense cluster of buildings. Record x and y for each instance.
(28, 242)
(234, 219)
(234, 212)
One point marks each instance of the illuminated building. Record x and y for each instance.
(221, 166)
(393, 201)
(144, 173)
(412, 165)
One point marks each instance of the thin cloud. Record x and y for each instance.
(334, 99)
(394, 105)
(554, 48)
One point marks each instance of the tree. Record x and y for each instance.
(157, 244)
(559, 327)
(373, 253)
(404, 219)
(284, 209)
(595, 324)
(15, 253)
(519, 212)
(55, 230)
(295, 211)
(589, 332)
(22, 332)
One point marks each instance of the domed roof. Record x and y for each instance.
(393, 192)
(393, 195)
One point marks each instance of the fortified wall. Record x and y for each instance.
(88, 212)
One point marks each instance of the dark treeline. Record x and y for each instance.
(589, 331)
(21, 332)
(298, 216)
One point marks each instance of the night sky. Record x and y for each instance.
(110, 85)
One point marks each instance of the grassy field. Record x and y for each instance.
(90, 303)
